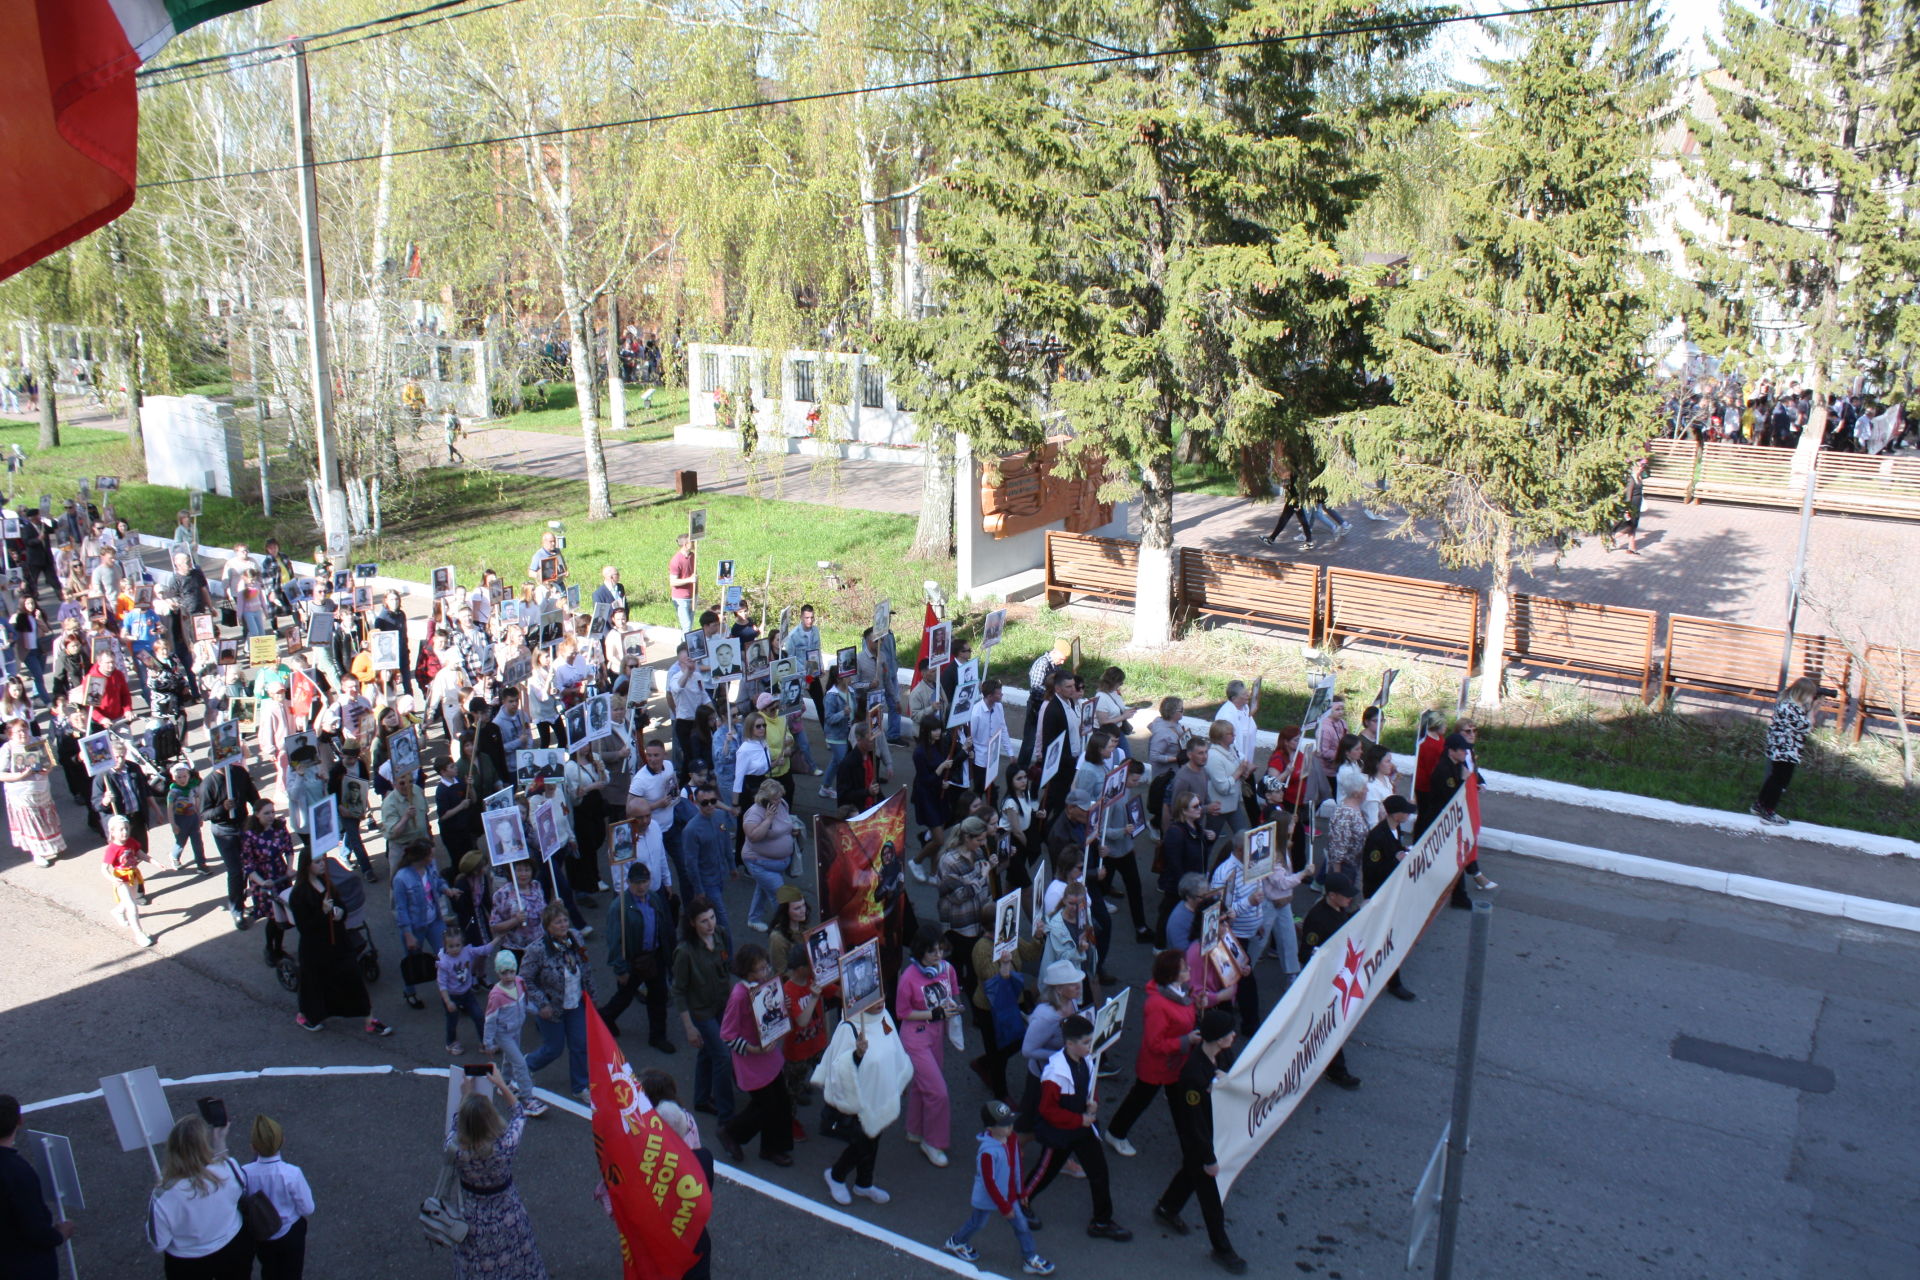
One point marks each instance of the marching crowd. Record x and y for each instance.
(537, 799)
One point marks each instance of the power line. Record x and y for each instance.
(219, 64)
(929, 82)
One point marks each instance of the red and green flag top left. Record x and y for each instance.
(69, 120)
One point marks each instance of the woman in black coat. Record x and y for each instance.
(330, 985)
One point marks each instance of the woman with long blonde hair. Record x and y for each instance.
(193, 1217)
(481, 1145)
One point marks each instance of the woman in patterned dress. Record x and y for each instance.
(481, 1144)
(32, 820)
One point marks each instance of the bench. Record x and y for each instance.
(1591, 639)
(1411, 613)
(1250, 589)
(1079, 564)
(1887, 672)
(1740, 661)
(1844, 482)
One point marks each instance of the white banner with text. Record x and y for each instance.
(1273, 1070)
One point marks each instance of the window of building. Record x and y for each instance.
(803, 381)
(873, 386)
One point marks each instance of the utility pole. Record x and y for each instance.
(333, 499)
(1797, 583)
(1458, 1131)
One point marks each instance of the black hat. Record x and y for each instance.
(995, 1113)
(1458, 742)
(1339, 882)
(1399, 804)
(1216, 1025)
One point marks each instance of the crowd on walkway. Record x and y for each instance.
(1730, 411)
(558, 831)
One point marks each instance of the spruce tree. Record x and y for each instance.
(1147, 247)
(1516, 358)
(1811, 153)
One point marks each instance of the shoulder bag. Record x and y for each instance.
(443, 1215)
(257, 1214)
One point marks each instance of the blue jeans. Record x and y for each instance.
(768, 877)
(426, 939)
(890, 691)
(568, 1032)
(712, 1070)
(36, 666)
(981, 1217)
(356, 847)
(716, 891)
(197, 841)
(253, 622)
(683, 613)
(833, 765)
(806, 749)
(472, 1003)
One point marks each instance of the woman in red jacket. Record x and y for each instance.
(114, 700)
(1164, 1046)
(1427, 754)
(1289, 764)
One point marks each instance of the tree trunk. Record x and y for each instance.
(49, 411)
(1493, 645)
(580, 321)
(869, 196)
(1153, 582)
(933, 537)
(616, 389)
(136, 374)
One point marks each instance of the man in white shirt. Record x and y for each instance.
(653, 785)
(650, 847)
(235, 572)
(686, 694)
(1238, 711)
(988, 733)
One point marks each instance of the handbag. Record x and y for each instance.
(837, 1124)
(443, 1215)
(416, 968)
(257, 1214)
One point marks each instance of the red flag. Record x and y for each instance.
(927, 624)
(655, 1186)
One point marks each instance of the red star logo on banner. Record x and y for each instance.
(1347, 981)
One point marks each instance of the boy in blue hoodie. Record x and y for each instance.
(996, 1189)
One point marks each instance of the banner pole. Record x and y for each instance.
(1467, 1058)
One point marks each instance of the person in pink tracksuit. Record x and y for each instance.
(928, 995)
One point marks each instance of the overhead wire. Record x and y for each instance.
(926, 82)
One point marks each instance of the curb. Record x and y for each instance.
(1781, 893)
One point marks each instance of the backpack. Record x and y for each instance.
(426, 663)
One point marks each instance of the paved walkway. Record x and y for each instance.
(1711, 560)
(862, 486)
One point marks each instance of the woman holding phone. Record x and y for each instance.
(481, 1146)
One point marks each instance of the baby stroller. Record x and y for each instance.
(351, 893)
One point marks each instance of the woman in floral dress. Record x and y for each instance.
(32, 820)
(482, 1144)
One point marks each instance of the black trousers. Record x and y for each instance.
(991, 1065)
(769, 1113)
(1135, 1105)
(228, 840)
(1092, 1154)
(1247, 1000)
(1191, 1180)
(1776, 784)
(1127, 866)
(1291, 512)
(285, 1258)
(856, 1162)
(652, 990)
(231, 1261)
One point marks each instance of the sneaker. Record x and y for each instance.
(918, 873)
(1119, 1143)
(455, 1049)
(375, 1027)
(300, 1020)
(1037, 1266)
(758, 926)
(145, 940)
(1485, 883)
(961, 1250)
(874, 1194)
(534, 1108)
(584, 1097)
(838, 1190)
(1073, 1170)
(935, 1156)
(586, 931)
(828, 793)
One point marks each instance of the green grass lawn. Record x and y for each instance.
(560, 417)
(471, 518)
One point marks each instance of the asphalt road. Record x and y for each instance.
(1596, 1151)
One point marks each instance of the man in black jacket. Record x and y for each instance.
(1379, 855)
(122, 791)
(228, 796)
(1060, 717)
(640, 949)
(1192, 1100)
(392, 616)
(30, 1239)
(1334, 909)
